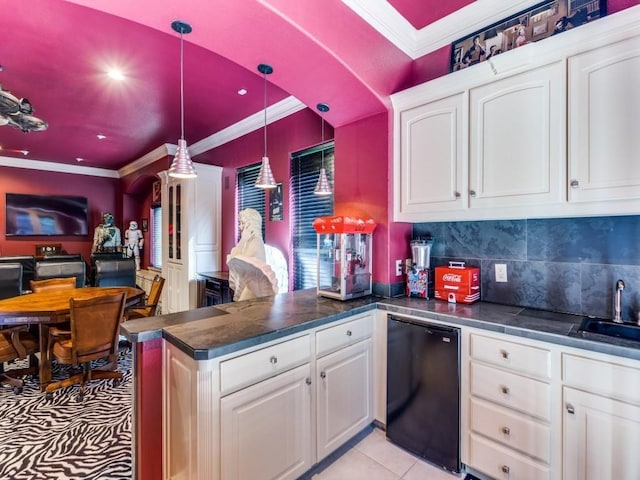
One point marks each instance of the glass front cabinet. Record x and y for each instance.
(191, 234)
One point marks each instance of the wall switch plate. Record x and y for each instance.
(398, 268)
(501, 272)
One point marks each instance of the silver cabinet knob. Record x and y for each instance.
(457, 194)
(574, 184)
(308, 380)
(504, 354)
(273, 360)
(504, 390)
(472, 193)
(323, 374)
(349, 333)
(506, 430)
(570, 409)
(505, 469)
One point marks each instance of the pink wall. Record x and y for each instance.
(103, 195)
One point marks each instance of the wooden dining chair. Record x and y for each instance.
(149, 308)
(95, 327)
(15, 344)
(65, 283)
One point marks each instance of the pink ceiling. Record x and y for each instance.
(56, 52)
(421, 14)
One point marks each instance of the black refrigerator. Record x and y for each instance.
(423, 390)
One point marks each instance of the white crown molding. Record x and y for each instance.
(417, 43)
(275, 112)
(57, 167)
(159, 153)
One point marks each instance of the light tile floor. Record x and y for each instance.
(375, 458)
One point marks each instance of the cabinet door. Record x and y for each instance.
(517, 140)
(604, 121)
(430, 171)
(266, 429)
(345, 397)
(601, 437)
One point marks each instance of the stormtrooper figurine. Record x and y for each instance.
(134, 241)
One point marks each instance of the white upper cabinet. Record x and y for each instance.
(604, 123)
(517, 132)
(549, 129)
(431, 174)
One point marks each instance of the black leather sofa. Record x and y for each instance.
(115, 273)
(52, 269)
(28, 263)
(10, 280)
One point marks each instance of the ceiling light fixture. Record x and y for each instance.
(323, 187)
(265, 177)
(182, 167)
(101, 137)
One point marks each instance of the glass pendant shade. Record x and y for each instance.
(182, 167)
(323, 187)
(265, 177)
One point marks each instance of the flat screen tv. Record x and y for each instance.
(45, 215)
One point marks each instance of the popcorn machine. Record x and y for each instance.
(344, 256)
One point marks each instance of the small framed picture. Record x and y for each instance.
(276, 208)
(144, 224)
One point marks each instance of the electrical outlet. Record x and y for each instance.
(398, 268)
(501, 272)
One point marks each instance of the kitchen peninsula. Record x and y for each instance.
(212, 361)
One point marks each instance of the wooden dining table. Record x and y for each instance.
(48, 308)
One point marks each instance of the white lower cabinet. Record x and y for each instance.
(508, 407)
(260, 413)
(345, 396)
(266, 428)
(601, 427)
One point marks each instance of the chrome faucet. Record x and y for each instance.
(617, 305)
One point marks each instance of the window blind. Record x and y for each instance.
(306, 207)
(155, 232)
(248, 195)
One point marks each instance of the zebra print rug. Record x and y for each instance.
(67, 439)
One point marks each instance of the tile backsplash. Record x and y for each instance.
(567, 265)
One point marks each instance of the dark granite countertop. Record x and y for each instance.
(210, 332)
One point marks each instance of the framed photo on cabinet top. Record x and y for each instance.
(538, 22)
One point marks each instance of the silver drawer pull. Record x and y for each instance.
(323, 374)
(505, 469)
(504, 354)
(570, 409)
(504, 390)
(349, 333)
(506, 430)
(273, 360)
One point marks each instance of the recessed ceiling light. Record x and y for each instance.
(242, 91)
(25, 152)
(116, 74)
(101, 137)
(79, 159)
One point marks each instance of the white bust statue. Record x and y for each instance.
(249, 274)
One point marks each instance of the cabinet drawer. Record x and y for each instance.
(500, 462)
(267, 362)
(511, 390)
(332, 338)
(510, 429)
(607, 378)
(514, 356)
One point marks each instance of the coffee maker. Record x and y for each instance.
(420, 274)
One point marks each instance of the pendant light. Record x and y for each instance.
(182, 167)
(265, 177)
(323, 187)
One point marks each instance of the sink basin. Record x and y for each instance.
(601, 326)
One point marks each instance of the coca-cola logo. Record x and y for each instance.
(452, 277)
